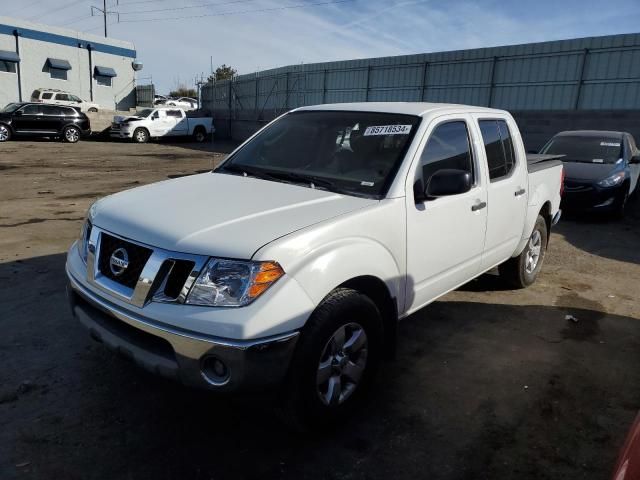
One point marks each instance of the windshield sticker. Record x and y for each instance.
(367, 184)
(597, 160)
(609, 144)
(388, 130)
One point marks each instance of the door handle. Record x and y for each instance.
(478, 206)
(522, 191)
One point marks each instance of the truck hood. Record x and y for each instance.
(589, 171)
(218, 214)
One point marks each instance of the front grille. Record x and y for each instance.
(178, 277)
(571, 186)
(137, 256)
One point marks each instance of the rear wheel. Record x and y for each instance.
(93, 110)
(199, 135)
(71, 134)
(335, 360)
(5, 133)
(141, 135)
(522, 271)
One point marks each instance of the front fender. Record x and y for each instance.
(325, 268)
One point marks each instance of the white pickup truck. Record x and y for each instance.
(291, 263)
(161, 122)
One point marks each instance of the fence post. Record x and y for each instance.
(492, 83)
(324, 86)
(257, 91)
(423, 90)
(230, 92)
(366, 94)
(581, 79)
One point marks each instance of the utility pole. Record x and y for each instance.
(104, 13)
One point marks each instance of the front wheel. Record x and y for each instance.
(522, 271)
(335, 360)
(141, 135)
(71, 134)
(5, 133)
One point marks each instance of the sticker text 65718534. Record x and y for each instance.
(388, 130)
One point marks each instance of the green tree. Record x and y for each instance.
(223, 72)
(183, 91)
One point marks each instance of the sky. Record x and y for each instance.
(177, 40)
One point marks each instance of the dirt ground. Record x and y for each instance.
(488, 383)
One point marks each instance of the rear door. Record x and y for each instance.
(62, 99)
(177, 121)
(52, 118)
(505, 159)
(445, 236)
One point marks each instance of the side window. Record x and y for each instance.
(31, 110)
(51, 110)
(499, 148)
(448, 147)
(47, 96)
(62, 96)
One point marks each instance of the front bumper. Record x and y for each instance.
(119, 133)
(590, 197)
(184, 356)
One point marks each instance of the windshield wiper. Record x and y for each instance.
(310, 180)
(248, 171)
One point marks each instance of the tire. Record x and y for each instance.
(93, 110)
(335, 361)
(621, 203)
(71, 134)
(199, 135)
(522, 271)
(140, 135)
(5, 133)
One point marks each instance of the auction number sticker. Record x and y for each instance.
(388, 130)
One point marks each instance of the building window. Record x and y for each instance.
(9, 67)
(103, 80)
(58, 73)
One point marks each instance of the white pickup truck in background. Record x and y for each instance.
(290, 264)
(161, 122)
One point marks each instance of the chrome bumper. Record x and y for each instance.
(184, 356)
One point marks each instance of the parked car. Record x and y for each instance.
(161, 122)
(290, 264)
(183, 102)
(628, 466)
(58, 97)
(601, 169)
(159, 100)
(38, 120)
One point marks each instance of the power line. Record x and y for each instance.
(202, 5)
(242, 12)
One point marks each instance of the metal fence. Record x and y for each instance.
(598, 73)
(145, 95)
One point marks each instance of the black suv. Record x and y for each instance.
(39, 120)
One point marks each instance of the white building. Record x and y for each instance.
(94, 68)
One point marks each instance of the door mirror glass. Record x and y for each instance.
(448, 182)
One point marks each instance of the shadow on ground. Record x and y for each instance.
(478, 391)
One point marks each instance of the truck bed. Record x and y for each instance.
(536, 161)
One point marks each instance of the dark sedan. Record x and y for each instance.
(601, 169)
(39, 120)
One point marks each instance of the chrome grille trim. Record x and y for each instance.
(148, 286)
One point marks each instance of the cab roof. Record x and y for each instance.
(407, 108)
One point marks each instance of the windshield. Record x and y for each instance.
(144, 113)
(590, 149)
(355, 153)
(12, 107)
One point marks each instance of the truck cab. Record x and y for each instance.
(291, 263)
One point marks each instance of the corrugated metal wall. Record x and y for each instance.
(598, 73)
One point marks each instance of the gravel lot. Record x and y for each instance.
(489, 383)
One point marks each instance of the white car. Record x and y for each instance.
(182, 102)
(290, 264)
(58, 97)
(161, 122)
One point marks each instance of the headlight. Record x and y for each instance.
(613, 180)
(85, 232)
(233, 283)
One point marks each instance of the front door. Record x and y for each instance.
(28, 120)
(445, 236)
(506, 190)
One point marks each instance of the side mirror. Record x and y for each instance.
(448, 182)
(18, 113)
(635, 159)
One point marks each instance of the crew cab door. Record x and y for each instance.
(445, 235)
(181, 126)
(505, 160)
(161, 124)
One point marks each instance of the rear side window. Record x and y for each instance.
(35, 94)
(51, 110)
(499, 147)
(47, 96)
(448, 147)
(174, 113)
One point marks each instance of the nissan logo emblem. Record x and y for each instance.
(119, 261)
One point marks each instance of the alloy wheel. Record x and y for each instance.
(4, 133)
(342, 364)
(533, 252)
(72, 135)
